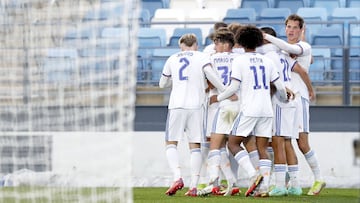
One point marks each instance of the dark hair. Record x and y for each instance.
(249, 37)
(269, 30)
(223, 35)
(295, 17)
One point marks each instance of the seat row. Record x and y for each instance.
(258, 5)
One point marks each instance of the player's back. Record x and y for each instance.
(222, 63)
(188, 79)
(282, 61)
(255, 72)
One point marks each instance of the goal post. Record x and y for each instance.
(67, 100)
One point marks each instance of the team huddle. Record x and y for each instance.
(247, 95)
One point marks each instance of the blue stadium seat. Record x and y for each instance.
(106, 11)
(114, 38)
(352, 4)
(354, 64)
(329, 5)
(240, 15)
(178, 32)
(274, 16)
(327, 36)
(158, 60)
(152, 5)
(152, 37)
(321, 67)
(98, 64)
(314, 17)
(293, 5)
(60, 65)
(258, 5)
(77, 38)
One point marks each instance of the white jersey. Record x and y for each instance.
(222, 122)
(222, 63)
(188, 79)
(255, 72)
(210, 49)
(304, 61)
(284, 64)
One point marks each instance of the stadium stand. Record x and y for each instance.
(220, 6)
(60, 65)
(293, 5)
(319, 71)
(274, 17)
(168, 19)
(184, 4)
(203, 19)
(153, 5)
(240, 15)
(144, 18)
(352, 3)
(158, 59)
(178, 32)
(329, 5)
(315, 18)
(258, 5)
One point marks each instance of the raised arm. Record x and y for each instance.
(290, 48)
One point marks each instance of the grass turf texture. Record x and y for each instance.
(328, 195)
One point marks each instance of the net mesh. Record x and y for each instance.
(67, 75)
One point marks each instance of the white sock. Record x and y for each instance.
(242, 157)
(265, 168)
(214, 164)
(195, 166)
(226, 167)
(293, 174)
(280, 173)
(204, 179)
(312, 160)
(173, 160)
(254, 158)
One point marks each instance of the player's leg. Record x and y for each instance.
(278, 146)
(195, 135)
(244, 125)
(304, 146)
(293, 169)
(263, 131)
(173, 132)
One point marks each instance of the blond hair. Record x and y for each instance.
(188, 39)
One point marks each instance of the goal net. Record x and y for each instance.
(67, 99)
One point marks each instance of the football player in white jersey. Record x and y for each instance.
(301, 51)
(252, 73)
(224, 115)
(284, 120)
(186, 73)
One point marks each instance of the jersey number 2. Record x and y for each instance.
(182, 69)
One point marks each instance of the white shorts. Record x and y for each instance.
(224, 118)
(210, 114)
(258, 126)
(284, 121)
(302, 114)
(189, 121)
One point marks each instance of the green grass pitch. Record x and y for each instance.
(328, 195)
